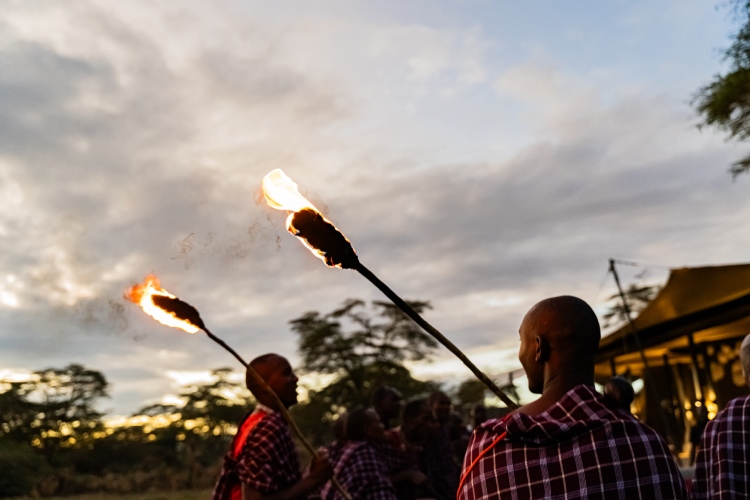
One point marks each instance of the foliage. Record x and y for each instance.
(20, 468)
(162, 446)
(469, 392)
(364, 350)
(725, 102)
(53, 410)
(637, 296)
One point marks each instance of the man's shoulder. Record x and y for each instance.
(270, 432)
(272, 421)
(736, 409)
(740, 403)
(581, 414)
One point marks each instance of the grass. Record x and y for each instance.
(168, 495)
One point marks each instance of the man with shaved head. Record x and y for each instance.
(722, 468)
(263, 461)
(569, 443)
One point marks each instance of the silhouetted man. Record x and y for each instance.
(568, 443)
(387, 402)
(263, 461)
(619, 393)
(478, 415)
(722, 468)
(443, 470)
(441, 405)
(358, 463)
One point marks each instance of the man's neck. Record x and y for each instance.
(555, 388)
(264, 408)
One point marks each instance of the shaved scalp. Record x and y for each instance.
(266, 364)
(568, 324)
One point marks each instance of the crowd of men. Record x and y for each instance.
(570, 443)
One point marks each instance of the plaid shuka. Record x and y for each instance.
(576, 449)
(436, 461)
(722, 468)
(267, 461)
(362, 472)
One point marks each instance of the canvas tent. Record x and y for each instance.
(690, 334)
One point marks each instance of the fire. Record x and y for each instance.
(282, 193)
(143, 294)
(305, 221)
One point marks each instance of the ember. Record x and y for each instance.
(149, 292)
(320, 235)
(179, 309)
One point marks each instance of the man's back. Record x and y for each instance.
(578, 448)
(362, 471)
(722, 468)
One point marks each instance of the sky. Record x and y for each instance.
(482, 155)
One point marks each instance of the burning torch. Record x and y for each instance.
(326, 242)
(171, 311)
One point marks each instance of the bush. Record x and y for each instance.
(21, 468)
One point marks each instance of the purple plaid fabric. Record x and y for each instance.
(576, 449)
(722, 468)
(268, 461)
(436, 461)
(394, 458)
(362, 471)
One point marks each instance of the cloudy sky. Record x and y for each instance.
(482, 155)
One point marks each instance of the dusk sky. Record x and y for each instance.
(482, 155)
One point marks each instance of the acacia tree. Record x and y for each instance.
(725, 102)
(364, 349)
(54, 409)
(637, 296)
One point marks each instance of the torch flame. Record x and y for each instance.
(282, 193)
(329, 245)
(142, 294)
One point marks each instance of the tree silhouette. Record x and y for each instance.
(363, 349)
(725, 102)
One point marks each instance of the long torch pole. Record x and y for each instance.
(409, 311)
(277, 402)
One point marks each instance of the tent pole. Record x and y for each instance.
(646, 370)
(699, 393)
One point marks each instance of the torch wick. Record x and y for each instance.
(260, 382)
(409, 311)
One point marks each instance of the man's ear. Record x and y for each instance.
(541, 353)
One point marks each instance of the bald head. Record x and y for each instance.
(568, 323)
(745, 359)
(276, 371)
(559, 335)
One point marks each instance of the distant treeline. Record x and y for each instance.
(54, 442)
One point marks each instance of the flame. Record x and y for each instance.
(282, 193)
(142, 295)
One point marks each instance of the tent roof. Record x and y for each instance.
(694, 299)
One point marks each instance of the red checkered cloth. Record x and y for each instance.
(577, 449)
(722, 468)
(362, 471)
(267, 461)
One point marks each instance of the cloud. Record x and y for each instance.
(135, 138)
